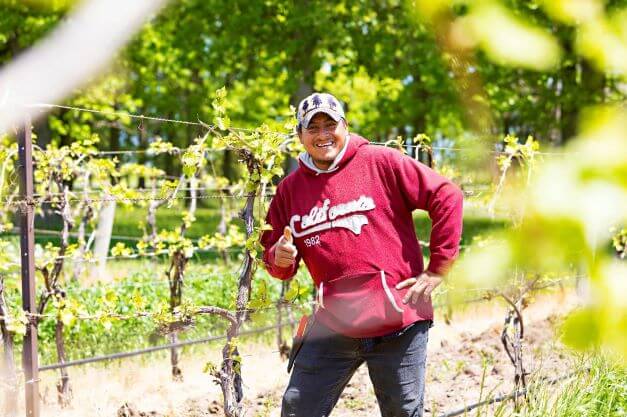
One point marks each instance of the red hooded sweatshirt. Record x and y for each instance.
(353, 228)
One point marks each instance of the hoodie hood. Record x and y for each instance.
(351, 146)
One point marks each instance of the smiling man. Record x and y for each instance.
(347, 213)
(323, 131)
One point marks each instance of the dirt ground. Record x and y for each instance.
(459, 356)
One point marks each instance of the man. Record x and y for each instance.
(347, 213)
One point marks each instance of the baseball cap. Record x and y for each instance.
(316, 103)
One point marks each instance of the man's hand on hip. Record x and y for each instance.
(284, 250)
(422, 285)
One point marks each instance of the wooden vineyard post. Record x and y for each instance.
(30, 360)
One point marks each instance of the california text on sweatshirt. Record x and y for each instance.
(353, 228)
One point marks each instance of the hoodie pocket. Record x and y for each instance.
(361, 304)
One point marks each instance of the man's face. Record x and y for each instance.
(323, 139)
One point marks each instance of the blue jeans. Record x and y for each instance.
(328, 360)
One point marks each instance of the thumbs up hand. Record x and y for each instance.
(284, 250)
(287, 234)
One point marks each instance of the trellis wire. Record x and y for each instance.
(113, 237)
(435, 148)
(150, 152)
(138, 352)
(145, 283)
(151, 314)
(138, 255)
(72, 260)
(493, 292)
(135, 190)
(75, 234)
(143, 117)
(35, 201)
(445, 148)
(116, 113)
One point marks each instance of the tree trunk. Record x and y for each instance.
(469, 83)
(587, 79)
(151, 217)
(87, 213)
(222, 228)
(141, 156)
(79, 267)
(556, 135)
(227, 166)
(302, 64)
(103, 235)
(114, 138)
(42, 129)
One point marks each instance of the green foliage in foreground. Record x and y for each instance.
(590, 386)
(601, 392)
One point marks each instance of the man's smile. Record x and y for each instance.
(325, 144)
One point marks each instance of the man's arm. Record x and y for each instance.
(445, 209)
(425, 189)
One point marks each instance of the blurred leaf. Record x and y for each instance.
(509, 40)
(581, 329)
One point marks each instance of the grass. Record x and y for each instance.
(128, 220)
(599, 392)
(474, 225)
